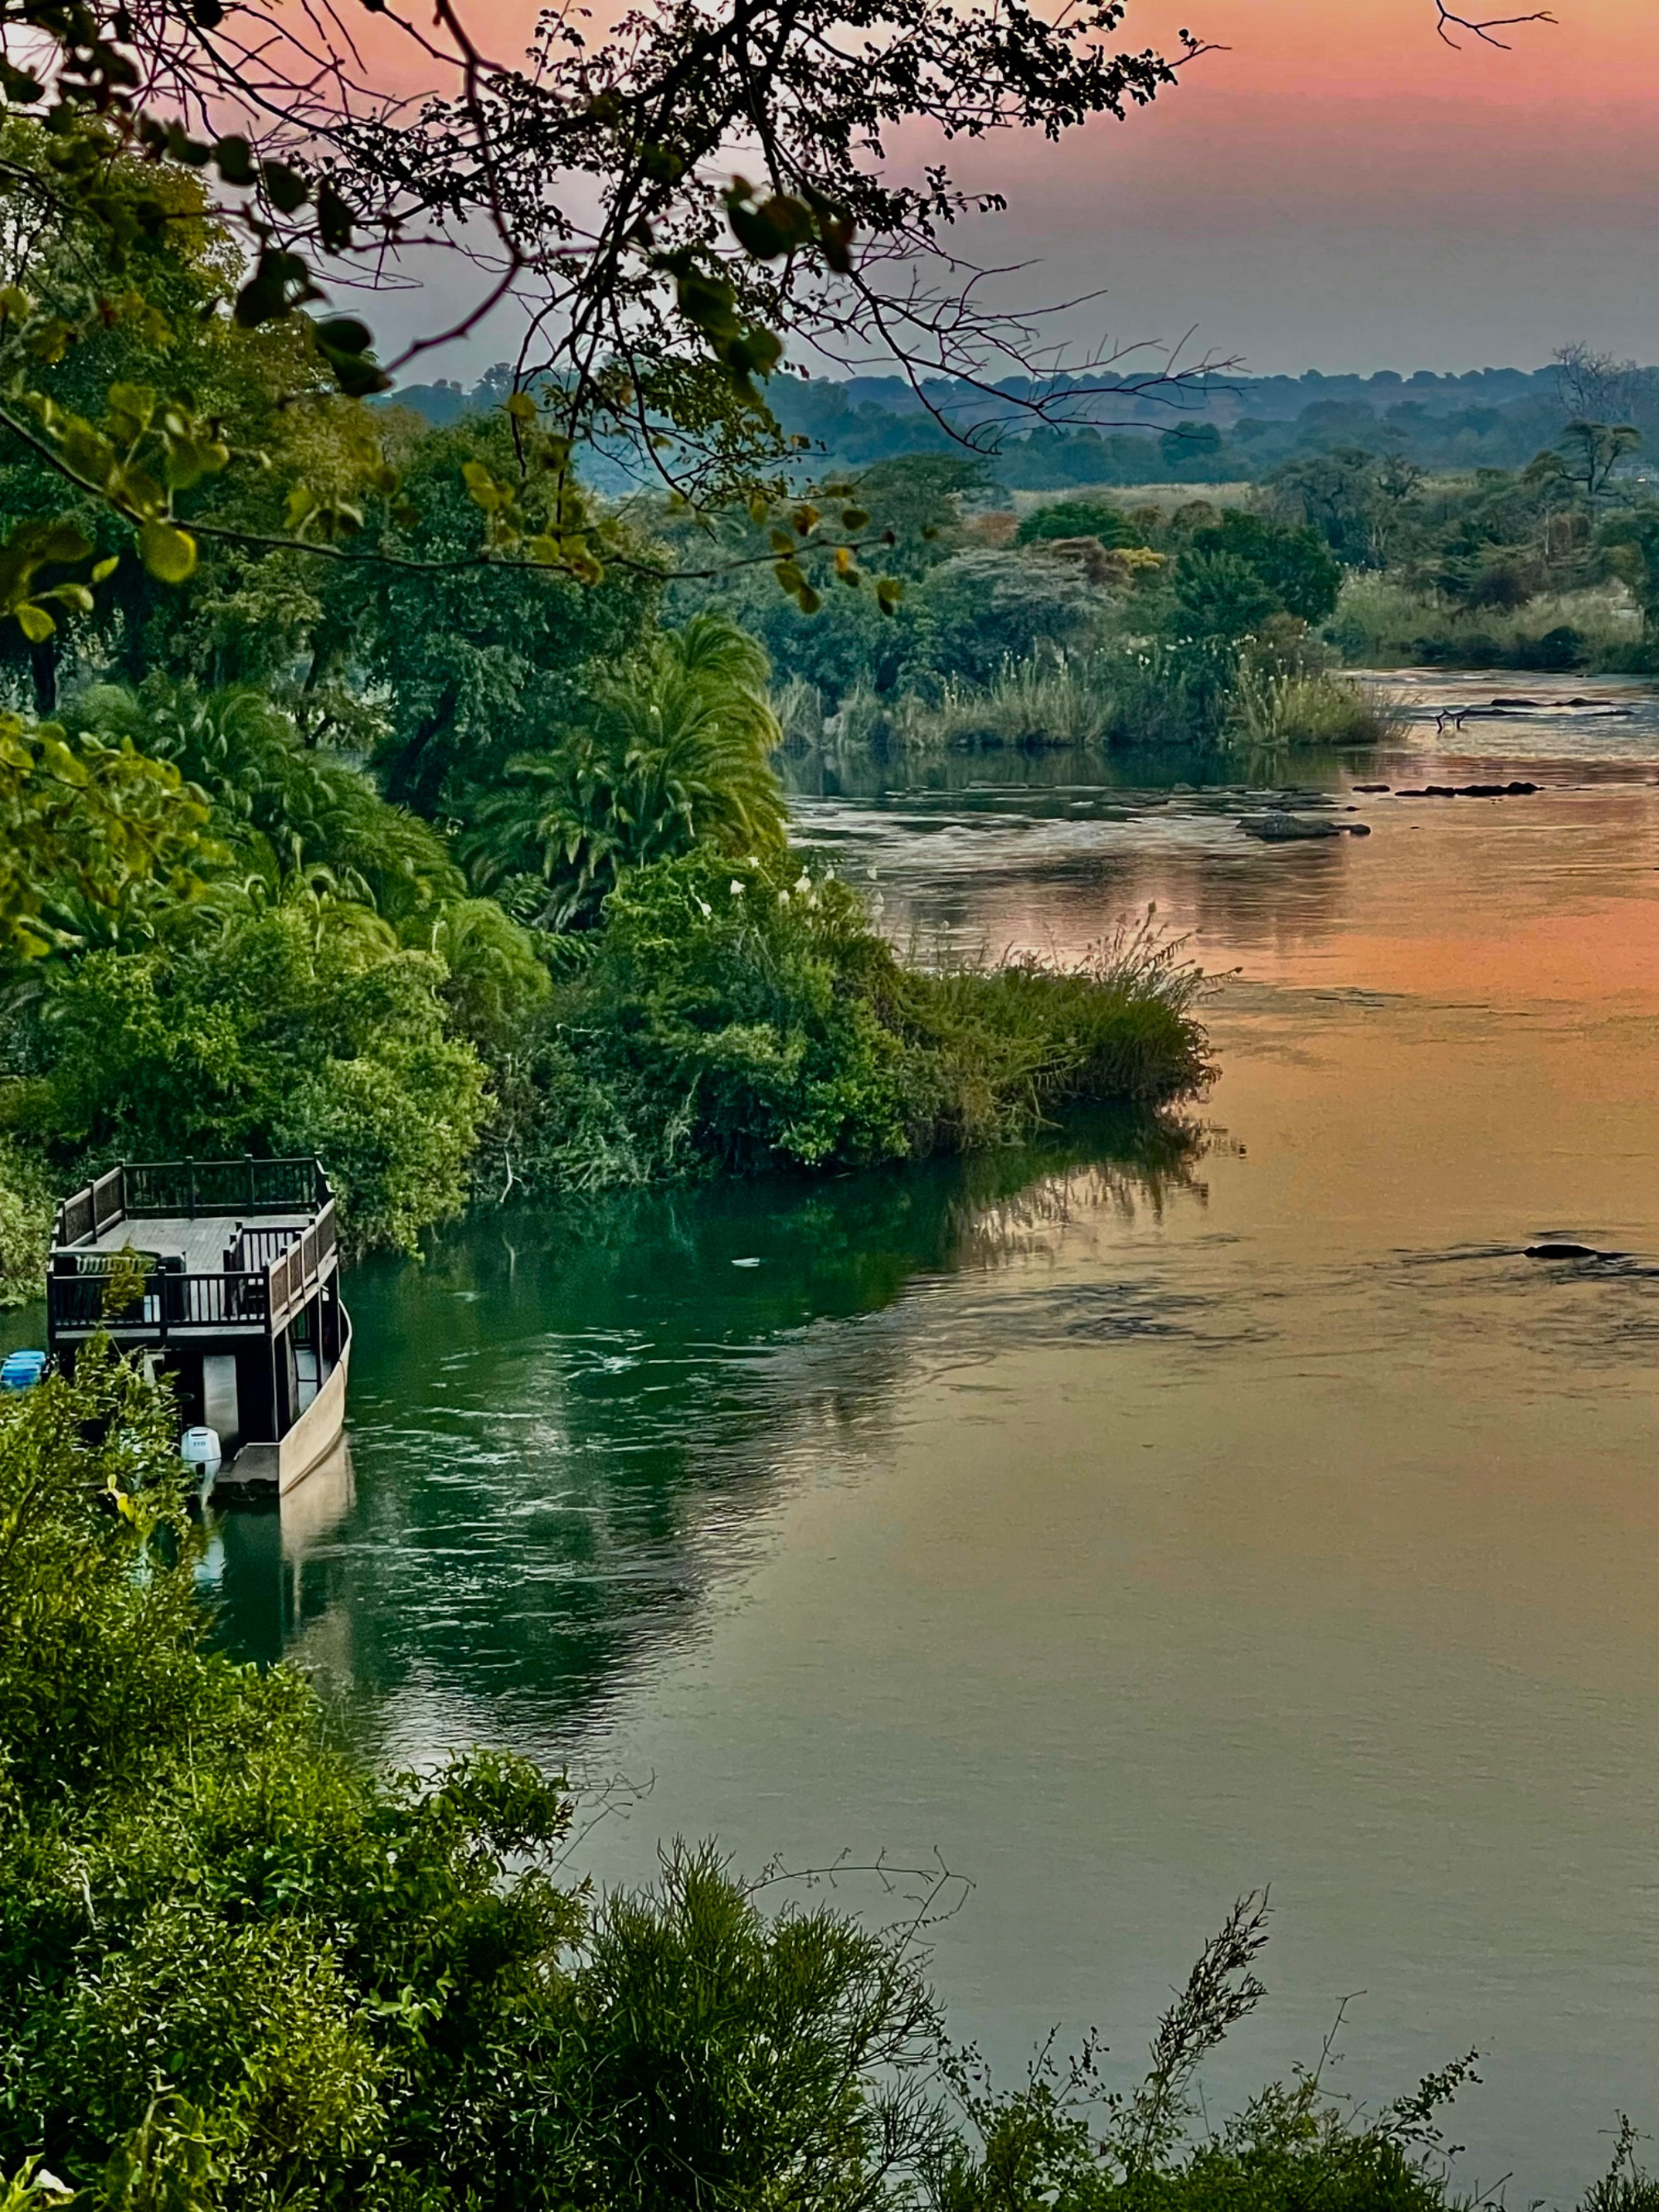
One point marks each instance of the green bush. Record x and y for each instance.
(751, 1017)
(1294, 564)
(301, 1027)
(26, 1219)
(1078, 517)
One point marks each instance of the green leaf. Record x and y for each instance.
(280, 283)
(168, 553)
(334, 219)
(36, 624)
(106, 569)
(521, 407)
(345, 334)
(344, 343)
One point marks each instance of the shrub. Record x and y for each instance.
(1078, 517)
(303, 1028)
(26, 1219)
(744, 1019)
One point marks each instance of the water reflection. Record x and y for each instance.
(567, 1421)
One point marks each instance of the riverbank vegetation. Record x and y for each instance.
(244, 1970)
(474, 879)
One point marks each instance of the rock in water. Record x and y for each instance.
(1557, 1250)
(1276, 829)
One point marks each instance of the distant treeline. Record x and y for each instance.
(1210, 429)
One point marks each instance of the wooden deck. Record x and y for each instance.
(201, 1241)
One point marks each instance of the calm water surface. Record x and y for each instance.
(1158, 1513)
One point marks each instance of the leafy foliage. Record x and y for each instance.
(288, 810)
(1079, 518)
(676, 754)
(733, 1017)
(1294, 564)
(94, 839)
(297, 1028)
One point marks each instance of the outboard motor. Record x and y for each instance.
(199, 1448)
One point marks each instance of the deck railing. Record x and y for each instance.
(234, 1186)
(168, 1301)
(270, 1272)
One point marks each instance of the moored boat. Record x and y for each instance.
(226, 1274)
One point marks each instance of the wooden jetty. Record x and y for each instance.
(227, 1274)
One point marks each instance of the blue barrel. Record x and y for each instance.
(21, 1370)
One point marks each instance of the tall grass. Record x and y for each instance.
(1380, 623)
(1273, 708)
(1133, 695)
(1015, 1039)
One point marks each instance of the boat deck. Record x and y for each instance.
(200, 1240)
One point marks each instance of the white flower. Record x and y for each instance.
(705, 908)
(735, 888)
(803, 881)
(783, 899)
(871, 872)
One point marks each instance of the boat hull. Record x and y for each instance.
(310, 1439)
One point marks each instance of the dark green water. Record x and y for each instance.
(566, 1417)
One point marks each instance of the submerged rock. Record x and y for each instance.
(1559, 1249)
(1279, 828)
(1517, 790)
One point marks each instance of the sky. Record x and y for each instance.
(1338, 189)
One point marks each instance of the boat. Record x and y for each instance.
(224, 1275)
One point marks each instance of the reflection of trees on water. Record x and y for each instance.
(569, 1420)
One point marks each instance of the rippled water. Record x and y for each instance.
(1154, 1514)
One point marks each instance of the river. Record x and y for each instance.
(1157, 1514)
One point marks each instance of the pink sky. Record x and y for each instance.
(1341, 190)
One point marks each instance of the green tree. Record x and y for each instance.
(1219, 595)
(1078, 517)
(675, 753)
(1293, 563)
